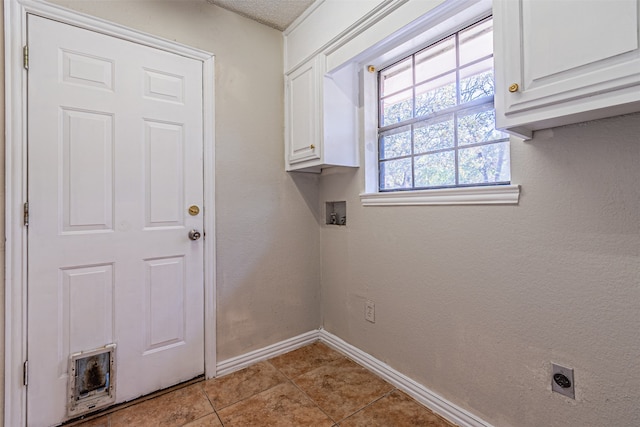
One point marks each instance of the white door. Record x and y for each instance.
(114, 163)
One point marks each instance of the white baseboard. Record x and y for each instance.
(248, 359)
(419, 392)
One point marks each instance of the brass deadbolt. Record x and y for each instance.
(194, 210)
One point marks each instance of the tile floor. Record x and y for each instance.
(312, 386)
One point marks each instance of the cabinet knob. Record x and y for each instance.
(312, 146)
(514, 88)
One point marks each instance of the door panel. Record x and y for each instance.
(164, 180)
(82, 69)
(87, 170)
(87, 293)
(165, 287)
(115, 160)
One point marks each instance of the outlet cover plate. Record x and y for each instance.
(370, 311)
(562, 381)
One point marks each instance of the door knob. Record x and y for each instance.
(194, 235)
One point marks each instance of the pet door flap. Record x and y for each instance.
(91, 380)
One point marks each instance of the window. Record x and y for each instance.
(436, 117)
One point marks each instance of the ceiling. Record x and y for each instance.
(278, 14)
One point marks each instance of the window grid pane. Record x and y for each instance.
(436, 116)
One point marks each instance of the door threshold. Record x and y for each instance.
(88, 417)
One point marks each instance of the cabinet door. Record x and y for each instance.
(303, 131)
(555, 59)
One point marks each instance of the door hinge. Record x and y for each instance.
(25, 57)
(26, 214)
(25, 373)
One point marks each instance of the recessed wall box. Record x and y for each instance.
(336, 213)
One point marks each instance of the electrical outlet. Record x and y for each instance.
(562, 380)
(370, 311)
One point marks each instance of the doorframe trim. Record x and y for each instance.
(15, 34)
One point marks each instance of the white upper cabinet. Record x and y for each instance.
(561, 62)
(303, 102)
(320, 114)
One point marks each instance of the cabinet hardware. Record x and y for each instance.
(312, 146)
(514, 88)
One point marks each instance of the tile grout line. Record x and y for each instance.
(313, 401)
(369, 404)
(251, 396)
(305, 394)
(215, 411)
(291, 380)
(336, 423)
(394, 388)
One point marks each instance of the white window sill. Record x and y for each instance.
(492, 195)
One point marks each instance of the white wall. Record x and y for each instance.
(267, 230)
(475, 302)
(2, 241)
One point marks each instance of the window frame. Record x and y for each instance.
(385, 55)
(450, 114)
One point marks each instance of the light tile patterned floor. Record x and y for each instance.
(312, 386)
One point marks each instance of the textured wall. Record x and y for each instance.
(475, 302)
(2, 241)
(267, 233)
